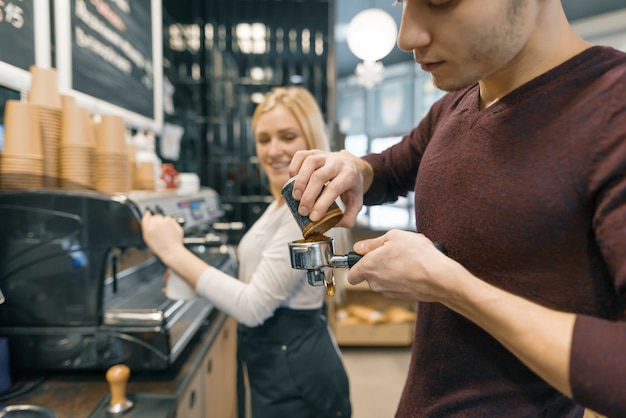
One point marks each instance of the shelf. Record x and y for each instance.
(366, 318)
(374, 334)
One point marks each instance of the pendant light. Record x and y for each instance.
(371, 36)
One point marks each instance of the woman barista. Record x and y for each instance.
(292, 363)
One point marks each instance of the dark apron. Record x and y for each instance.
(293, 368)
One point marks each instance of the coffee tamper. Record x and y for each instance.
(308, 227)
(117, 376)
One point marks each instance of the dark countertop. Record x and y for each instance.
(76, 395)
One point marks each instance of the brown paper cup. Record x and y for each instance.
(145, 179)
(74, 131)
(44, 87)
(22, 131)
(111, 135)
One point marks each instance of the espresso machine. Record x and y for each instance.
(83, 292)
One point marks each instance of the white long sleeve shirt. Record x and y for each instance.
(266, 279)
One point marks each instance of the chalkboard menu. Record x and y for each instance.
(17, 33)
(108, 57)
(24, 40)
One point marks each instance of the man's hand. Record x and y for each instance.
(404, 265)
(323, 176)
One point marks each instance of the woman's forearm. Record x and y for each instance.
(185, 263)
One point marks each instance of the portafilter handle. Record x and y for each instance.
(350, 259)
(345, 261)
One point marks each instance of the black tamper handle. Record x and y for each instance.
(353, 258)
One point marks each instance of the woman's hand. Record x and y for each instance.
(161, 233)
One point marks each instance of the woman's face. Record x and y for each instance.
(277, 137)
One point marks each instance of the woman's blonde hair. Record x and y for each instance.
(303, 106)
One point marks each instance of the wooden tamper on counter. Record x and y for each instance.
(140, 405)
(117, 376)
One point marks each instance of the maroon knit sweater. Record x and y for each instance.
(529, 195)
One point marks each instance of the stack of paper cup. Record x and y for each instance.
(145, 178)
(112, 172)
(91, 140)
(132, 164)
(76, 154)
(22, 159)
(44, 95)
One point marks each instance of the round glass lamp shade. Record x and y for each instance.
(372, 34)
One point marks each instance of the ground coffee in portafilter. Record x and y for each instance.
(315, 237)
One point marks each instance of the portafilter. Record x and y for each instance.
(316, 257)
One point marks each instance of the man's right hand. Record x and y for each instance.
(344, 175)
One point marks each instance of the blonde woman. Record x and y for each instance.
(285, 348)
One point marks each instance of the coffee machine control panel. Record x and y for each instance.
(192, 210)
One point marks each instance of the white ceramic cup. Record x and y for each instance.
(177, 288)
(188, 183)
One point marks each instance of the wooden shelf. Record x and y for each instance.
(374, 335)
(377, 330)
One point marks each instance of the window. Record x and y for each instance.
(399, 214)
(356, 144)
(375, 119)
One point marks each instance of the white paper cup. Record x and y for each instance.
(188, 183)
(177, 288)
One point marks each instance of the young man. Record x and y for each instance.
(520, 172)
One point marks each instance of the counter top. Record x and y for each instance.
(76, 394)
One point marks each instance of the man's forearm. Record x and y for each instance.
(540, 337)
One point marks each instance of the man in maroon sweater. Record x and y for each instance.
(520, 172)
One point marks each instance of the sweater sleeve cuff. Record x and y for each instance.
(598, 365)
(377, 188)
